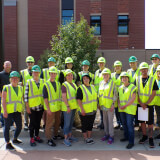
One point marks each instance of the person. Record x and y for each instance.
(116, 78)
(85, 69)
(147, 87)
(12, 103)
(52, 98)
(127, 108)
(26, 74)
(107, 97)
(34, 104)
(4, 80)
(97, 79)
(87, 101)
(69, 106)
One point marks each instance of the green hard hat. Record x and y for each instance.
(36, 68)
(14, 74)
(117, 63)
(106, 71)
(68, 60)
(52, 69)
(101, 59)
(143, 65)
(86, 62)
(67, 71)
(124, 74)
(30, 59)
(133, 59)
(155, 56)
(51, 59)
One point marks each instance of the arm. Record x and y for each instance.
(64, 98)
(26, 99)
(4, 95)
(81, 106)
(151, 97)
(47, 105)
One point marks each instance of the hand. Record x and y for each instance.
(112, 108)
(144, 106)
(68, 110)
(49, 112)
(5, 115)
(122, 107)
(83, 112)
(28, 110)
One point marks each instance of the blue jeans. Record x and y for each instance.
(127, 122)
(68, 121)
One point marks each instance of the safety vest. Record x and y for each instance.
(150, 71)
(145, 92)
(117, 82)
(90, 74)
(106, 95)
(97, 79)
(35, 97)
(125, 97)
(74, 76)
(89, 100)
(54, 97)
(46, 74)
(136, 74)
(71, 96)
(14, 102)
(157, 96)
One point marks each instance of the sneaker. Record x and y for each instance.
(51, 143)
(10, 147)
(151, 143)
(89, 141)
(38, 139)
(129, 146)
(32, 142)
(157, 137)
(67, 142)
(110, 140)
(143, 139)
(105, 138)
(26, 128)
(123, 140)
(17, 141)
(58, 137)
(12, 128)
(73, 139)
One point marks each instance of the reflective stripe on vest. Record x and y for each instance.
(69, 93)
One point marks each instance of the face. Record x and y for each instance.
(7, 66)
(155, 61)
(144, 71)
(14, 80)
(125, 79)
(50, 64)
(69, 77)
(30, 65)
(85, 68)
(133, 64)
(101, 65)
(106, 77)
(118, 68)
(86, 80)
(69, 65)
(35, 74)
(52, 75)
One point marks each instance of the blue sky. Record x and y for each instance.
(152, 24)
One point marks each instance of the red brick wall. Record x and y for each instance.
(43, 21)
(95, 6)
(10, 36)
(123, 42)
(123, 6)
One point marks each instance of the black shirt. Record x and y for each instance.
(4, 79)
(80, 94)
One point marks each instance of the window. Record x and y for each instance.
(123, 23)
(67, 11)
(95, 21)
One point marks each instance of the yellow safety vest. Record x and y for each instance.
(125, 97)
(136, 74)
(145, 92)
(90, 74)
(150, 72)
(89, 100)
(157, 96)
(35, 97)
(106, 95)
(14, 102)
(46, 74)
(71, 96)
(54, 97)
(74, 75)
(97, 79)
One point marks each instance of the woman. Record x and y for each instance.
(107, 97)
(69, 106)
(34, 104)
(12, 100)
(87, 101)
(127, 108)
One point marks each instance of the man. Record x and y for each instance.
(26, 74)
(147, 88)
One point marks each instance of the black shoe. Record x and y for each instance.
(123, 140)
(129, 146)
(143, 139)
(38, 139)
(10, 147)
(51, 143)
(157, 137)
(117, 127)
(151, 143)
(58, 137)
(17, 141)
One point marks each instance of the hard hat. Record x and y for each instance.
(101, 59)
(143, 65)
(124, 74)
(67, 71)
(155, 56)
(52, 69)
(86, 62)
(51, 59)
(36, 68)
(133, 59)
(68, 60)
(30, 59)
(106, 71)
(14, 74)
(117, 63)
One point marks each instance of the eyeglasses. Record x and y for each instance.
(154, 59)
(29, 62)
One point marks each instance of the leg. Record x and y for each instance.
(26, 118)
(38, 122)
(83, 128)
(32, 117)
(117, 116)
(110, 123)
(124, 123)
(72, 120)
(157, 108)
(57, 122)
(105, 120)
(90, 121)
(44, 118)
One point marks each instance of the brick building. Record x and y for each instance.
(29, 25)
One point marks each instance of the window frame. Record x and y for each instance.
(92, 22)
(124, 22)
